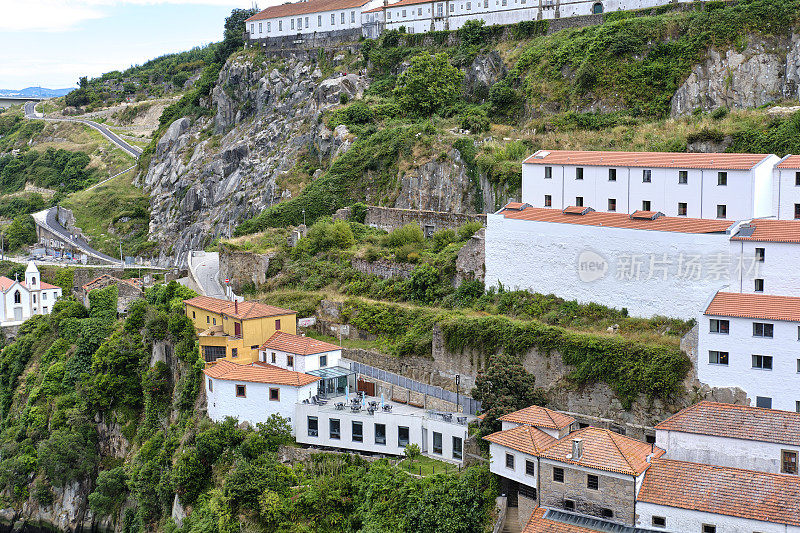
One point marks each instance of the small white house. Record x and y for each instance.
(765, 254)
(694, 185)
(252, 393)
(299, 353)
(752, 341)
(786, 188)
(735, 436)
(681, 497)
(23, 299)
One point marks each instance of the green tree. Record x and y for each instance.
(110, 491)
(21, 232)
(234, 33)
(429, 84)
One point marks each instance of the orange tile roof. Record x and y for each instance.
(409, 3)
(648, 159)
(297, 344)
(769, 230)
(720, 490)
(241, 310)
(304, 8)
(604, 450)
(736, 422)
(111, 280)
(373, 10)
(525, 439)
(621, 220)
(539, 417)
(258, 373)
(763, 306)
(577, 210)
(6, 283)
(790, 162)
(539, 524)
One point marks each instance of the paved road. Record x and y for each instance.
(48, 220)
(204, 268)
(135, 151)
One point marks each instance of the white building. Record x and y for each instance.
(786, 188)
(764, 255)
(614, 259)
(299, 353)
(694, 185)
(735, 436)
(313, 17)
(23, 299)
(252, 393)
(681, 497)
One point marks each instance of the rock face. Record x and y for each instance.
(485, 71)
(766, 71)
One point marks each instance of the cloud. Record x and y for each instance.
(64, 15)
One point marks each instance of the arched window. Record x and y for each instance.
(33, 281)
(17, 297)
(597, 8)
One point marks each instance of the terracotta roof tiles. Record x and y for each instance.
(7, 283)
(736, 422)
(258, 373)
(297, 344)
(721, 161)
(750, 305)
(720, 490)
(525, 439)
(769, 230)
(539, 417)
(305, 8)
(791, 162)
(240, 310)
(540, 524)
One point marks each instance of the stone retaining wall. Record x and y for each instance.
(242, 268)
(383, 269)
(391, 218)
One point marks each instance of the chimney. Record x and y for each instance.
(236, 306)
(577, 449)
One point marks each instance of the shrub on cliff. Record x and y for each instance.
(429, 85)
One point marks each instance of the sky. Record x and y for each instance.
(51, 43)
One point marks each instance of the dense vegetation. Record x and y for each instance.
(56, 169)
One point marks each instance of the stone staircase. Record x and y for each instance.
(514, 523)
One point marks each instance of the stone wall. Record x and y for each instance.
(242, 268)
(383, 268)
(337, 38)
(471, 259)
(390, 218)
(82, 276)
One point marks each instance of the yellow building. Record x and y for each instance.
(235, 330)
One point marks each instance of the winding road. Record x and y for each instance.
(204, 269)
(49, 221)
(134, 151)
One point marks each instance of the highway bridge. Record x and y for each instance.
(8, 101)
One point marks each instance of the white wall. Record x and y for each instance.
(687, 521)
(25, 302)
(787, 194)
(256, 406)
(302, 363)
(556, 434)
(782, 383)
(497, 465)
(722, 451)
(546, 260)
(778, 270)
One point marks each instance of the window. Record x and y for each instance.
(333, 18)
(306, 22)
(510, 461)
(323, 360)
(458, 448)
(548, 173)
(342, 17)
(797, 179)
(402, 436)
(683, 177)
(404, 13)
(273, 358)
(437, 442)
(380, 433)
(758, 285)
(647, 176)
(252, 27)
(17, 297)
(44, 297)
(797, 211)
(34, 298)
(717, 358)
(292, 23)
(797, 406)
(645, 205)
(486, 4)
(722, 178)
(389, 15)
(708, 528)
(234, 352)
(761, 329)
(210, 385)
(569, 505)
(763, 402)
(419, 11)
(659, 521)
(682, 208)
(269, 26)
(319, 20)
(358, 431)
(558, 474)
(721, 211)
(579, 173)
(762, 362)
(335, 427)
(798, 366)
(278, 324)
(579, 201)
(274, 394)
(788, 462)
(290, 360)
(214, 321)
(592, 482)
(760, 254)
(469, 6)
(612, 174)
(612, 204)
(259, 27)
(313, 426)
(208, 319)
(352, 16)
(530, 468)
(606, 512)
(241, 391)
(453, 7)
(548, 200)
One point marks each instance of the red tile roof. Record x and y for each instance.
(769, 230)
(648, 159)
(106, 280)
(790, 162)
(604, 450)
(304, 8)
(621, 220)
(6, 283)
(258, 373)
(736, 422)
(763, 306)
(525, 439)
(725, 491)
(409, 3)
(241, 310)
(539, 524)
(296, 344)
(539, 417)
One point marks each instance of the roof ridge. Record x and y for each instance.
(612, 436)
